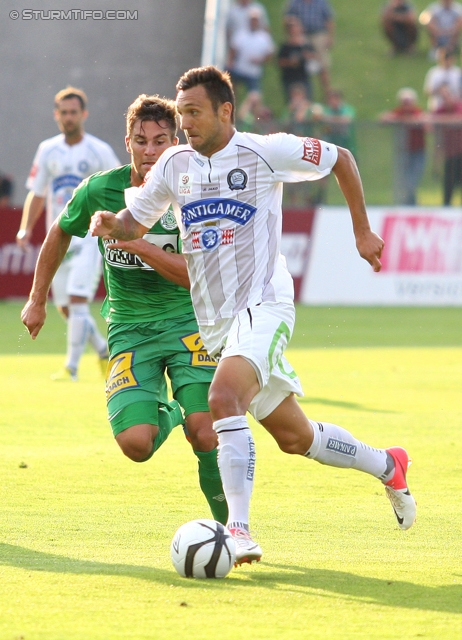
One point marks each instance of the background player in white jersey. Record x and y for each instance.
(59, 166)
(226, 190)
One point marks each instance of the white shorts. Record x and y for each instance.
(260, 335)
(79, 273)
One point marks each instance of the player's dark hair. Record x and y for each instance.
(72, 92)
(152, 108)
(216, 83)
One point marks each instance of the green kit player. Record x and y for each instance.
(151, 323)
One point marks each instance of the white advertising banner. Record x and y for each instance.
(421, 262)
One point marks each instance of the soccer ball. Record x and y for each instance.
(203, 549)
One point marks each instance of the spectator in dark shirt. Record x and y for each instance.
(399, 21)
(295, 57)
(317, 18)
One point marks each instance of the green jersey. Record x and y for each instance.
(135, 291)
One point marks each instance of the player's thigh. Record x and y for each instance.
(85, 269)
(282, 383)
(189, 366)
(135, 377)
(261, 334)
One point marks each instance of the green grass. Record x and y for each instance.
(85, 533)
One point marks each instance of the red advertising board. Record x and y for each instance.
(17, 266)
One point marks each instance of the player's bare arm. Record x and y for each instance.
(32, 210)
(368, 243)
(51, 255)
(171, 266)
(121, 226)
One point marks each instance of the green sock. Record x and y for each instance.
(210, 483)
(170, 416)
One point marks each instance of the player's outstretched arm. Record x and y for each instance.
(51, 255)
(171, 266)
(121, 226)
(368, 243)
(31, 212)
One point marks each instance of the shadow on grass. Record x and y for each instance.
(375, 591)
(355, 406)
(319, 582)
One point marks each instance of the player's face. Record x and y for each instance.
(146, 143)
(70, 117)
(207, 131)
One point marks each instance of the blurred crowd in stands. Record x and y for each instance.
(313, 107)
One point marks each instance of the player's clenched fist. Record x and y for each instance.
(370, 247)
(102, 223)
(33, 316)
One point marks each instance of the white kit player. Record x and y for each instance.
(226, 190)
(59, 166)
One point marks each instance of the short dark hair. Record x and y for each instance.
(216, 83)
(155, 109)
(71, 92)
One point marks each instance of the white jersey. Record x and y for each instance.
(58, 168)
(228, 207)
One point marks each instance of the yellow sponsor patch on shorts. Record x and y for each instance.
(120, 374)
(199, 356)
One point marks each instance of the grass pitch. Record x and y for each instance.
(85, 533)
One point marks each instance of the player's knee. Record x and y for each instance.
(200, 432)
(223, 403)
(136, 446)
(291, 443)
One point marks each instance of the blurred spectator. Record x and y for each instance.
(399, 22)
(317, 18)
(238, 16)
(338, 120)
(250, 48)
(409, 122)
(294, 58)
(254, 116)
(6, 190)
(445, 71)
(301, 115)
(448, 119)
(443, 22)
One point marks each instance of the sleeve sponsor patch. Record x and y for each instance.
(312, 150)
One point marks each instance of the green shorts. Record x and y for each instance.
(140, 355)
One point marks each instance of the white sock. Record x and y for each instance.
(335, 446)
(236, 461)
(77, 334)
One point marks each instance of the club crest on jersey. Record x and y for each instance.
(210, 238)
(168, 221)
(312, 150)
(185, 183)
(83, 166)
(210, 209)
(237, 180)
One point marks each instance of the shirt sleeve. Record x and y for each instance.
(295, 159)
(74, 219)
(153, 199)
(38, 177)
